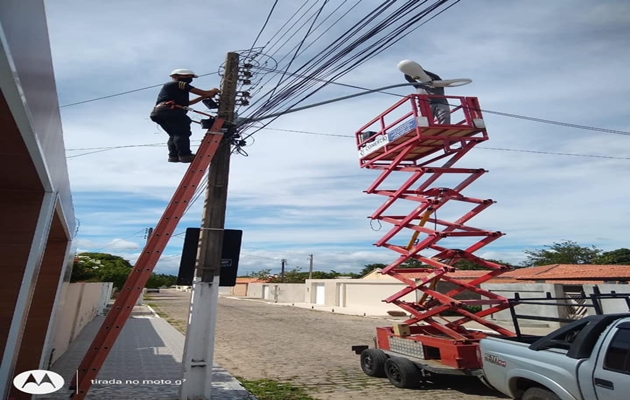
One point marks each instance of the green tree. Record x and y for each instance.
(104, 267)
(469, 265)
(161, 280)
(618, 257)
(291, 276)
(413, 263)
(567, 252)
(371, 267)
(108, 259)
(263, 275)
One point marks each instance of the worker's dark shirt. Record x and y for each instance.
(175, 91)
(430, 90)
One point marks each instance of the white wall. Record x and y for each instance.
(357, 293)
(278, 292)
(372, 294)
(528, 290)
(610, 306)
(83, 301)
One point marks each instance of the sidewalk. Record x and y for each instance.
(145, 363)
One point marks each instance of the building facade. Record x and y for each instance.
(37, 220)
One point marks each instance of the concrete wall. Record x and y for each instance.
(356, 293)
(371, 294)
(367, 295)
(278, 292)
(349, 293)
(240, 289)
(528, 290)
(525, 290)
(610, 306)
(83, 301)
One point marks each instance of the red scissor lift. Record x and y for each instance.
(404, 140)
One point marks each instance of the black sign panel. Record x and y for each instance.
(230, 254)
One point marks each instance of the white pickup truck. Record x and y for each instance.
(588, 359)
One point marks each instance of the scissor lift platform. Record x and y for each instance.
(405, 132)
(406, 138)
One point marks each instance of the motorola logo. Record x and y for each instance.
(38, 381)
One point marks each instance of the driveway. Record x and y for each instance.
(307, 348)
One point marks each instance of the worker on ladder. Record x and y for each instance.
(170, 113)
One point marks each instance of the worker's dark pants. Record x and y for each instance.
(177, 125)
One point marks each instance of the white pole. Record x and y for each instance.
(199, 347)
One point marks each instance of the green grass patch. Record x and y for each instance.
(267, 389)
(179, 325)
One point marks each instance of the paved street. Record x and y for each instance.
(308, 348)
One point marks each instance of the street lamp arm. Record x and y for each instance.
(247, 120)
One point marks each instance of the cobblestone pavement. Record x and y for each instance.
(308, 348)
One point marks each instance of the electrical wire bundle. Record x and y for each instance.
(303, 73)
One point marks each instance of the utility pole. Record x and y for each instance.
(199, 347)
(282, 270)
(310, 266)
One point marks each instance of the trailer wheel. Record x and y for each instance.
(402, 373)
(373, 362)
(538, 393)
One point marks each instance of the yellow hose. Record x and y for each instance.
(423, 221)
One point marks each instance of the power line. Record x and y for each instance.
(366, 37)
(559, 123)
(122, 93)
(504, 114)
(102, 149)
(480, 147)
(118, 240)
(555, 154)
(273, 7)
(257, 256)
(201, 187)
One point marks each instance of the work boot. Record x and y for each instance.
(187, 159)
(173, 159)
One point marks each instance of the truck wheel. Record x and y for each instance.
(537, 393)
(373, 362)
(402, 373)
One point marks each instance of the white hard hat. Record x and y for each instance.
(183, 72)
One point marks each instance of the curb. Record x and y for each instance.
(152, 311)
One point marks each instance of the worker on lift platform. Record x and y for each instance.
(170, 113)
(439, 106)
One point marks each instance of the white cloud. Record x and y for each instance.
(304, 193)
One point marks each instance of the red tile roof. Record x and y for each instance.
(581, 272)
(464, 275)
(249, 280)
(567, 273)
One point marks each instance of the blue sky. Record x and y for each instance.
(299, 194)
